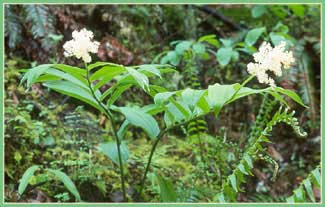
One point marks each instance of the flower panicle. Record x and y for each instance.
(81, 45)
(272, 59)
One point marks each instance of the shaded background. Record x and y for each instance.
(46, 128)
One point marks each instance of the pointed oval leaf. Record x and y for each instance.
(224, 55)
(25, 178)
(117, 93)
(66, 76)
(99, 64)
(110, 150)
(33, 74)
(167, 192)
(64, 178)
(141, 119)
(253, 35)
(182, 47)
(70, 89)
(291, 94)
(107, 73)
(233, 181)
(140, 78)
(162, 97)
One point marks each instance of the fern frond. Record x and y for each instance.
(263, 198)
(264, 115)
(268, 159)
(13, 27)
(41, 19)
(304, 193)
(231, 185)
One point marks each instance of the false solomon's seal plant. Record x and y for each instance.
(177, 107)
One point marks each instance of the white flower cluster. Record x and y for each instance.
(270, 59)
(81, 45)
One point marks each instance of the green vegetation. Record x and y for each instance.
(167, 108)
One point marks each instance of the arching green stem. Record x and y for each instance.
(114, 126)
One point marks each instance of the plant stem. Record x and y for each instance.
(160, 135)
(118, 143)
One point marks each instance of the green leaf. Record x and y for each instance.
(154, 90)
(173, 114)
(72, 90)
(99, 64)
(291, 199)
(66, 76)
(309, 189)
(299, 194)
(17, 156)
(172, 57)
(253, 35)
(291, 94)
(26, 177)
(167, 192)
(46, 78)
(140, 78)
(152, 109)
(182, 47)
(211, 39)
(122, 130)
(226, 42)
(33, 74)
(224, 55)
(70, 69)
(277, 96)
(258, 11)
(279, 11)
(76, 73)
(116, 93)
(107, 73)
(277, 38)
(199, 48)
(248, 160)
(280, 27)
(110, 150)
(316, 175)
(64, 178)
(202, 103)
(233, 182)
(235, 56)
(141, 119)
(191, 96)
(230, 193)
(163, 97)
(220, 197)
(240, 179)
(298, 10)
(182, 108)
(153, 69)
(218, 95)
(242, 169)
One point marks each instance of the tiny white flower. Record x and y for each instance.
(270, 59)
(81, 45)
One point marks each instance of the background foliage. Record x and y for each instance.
(193, 160)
